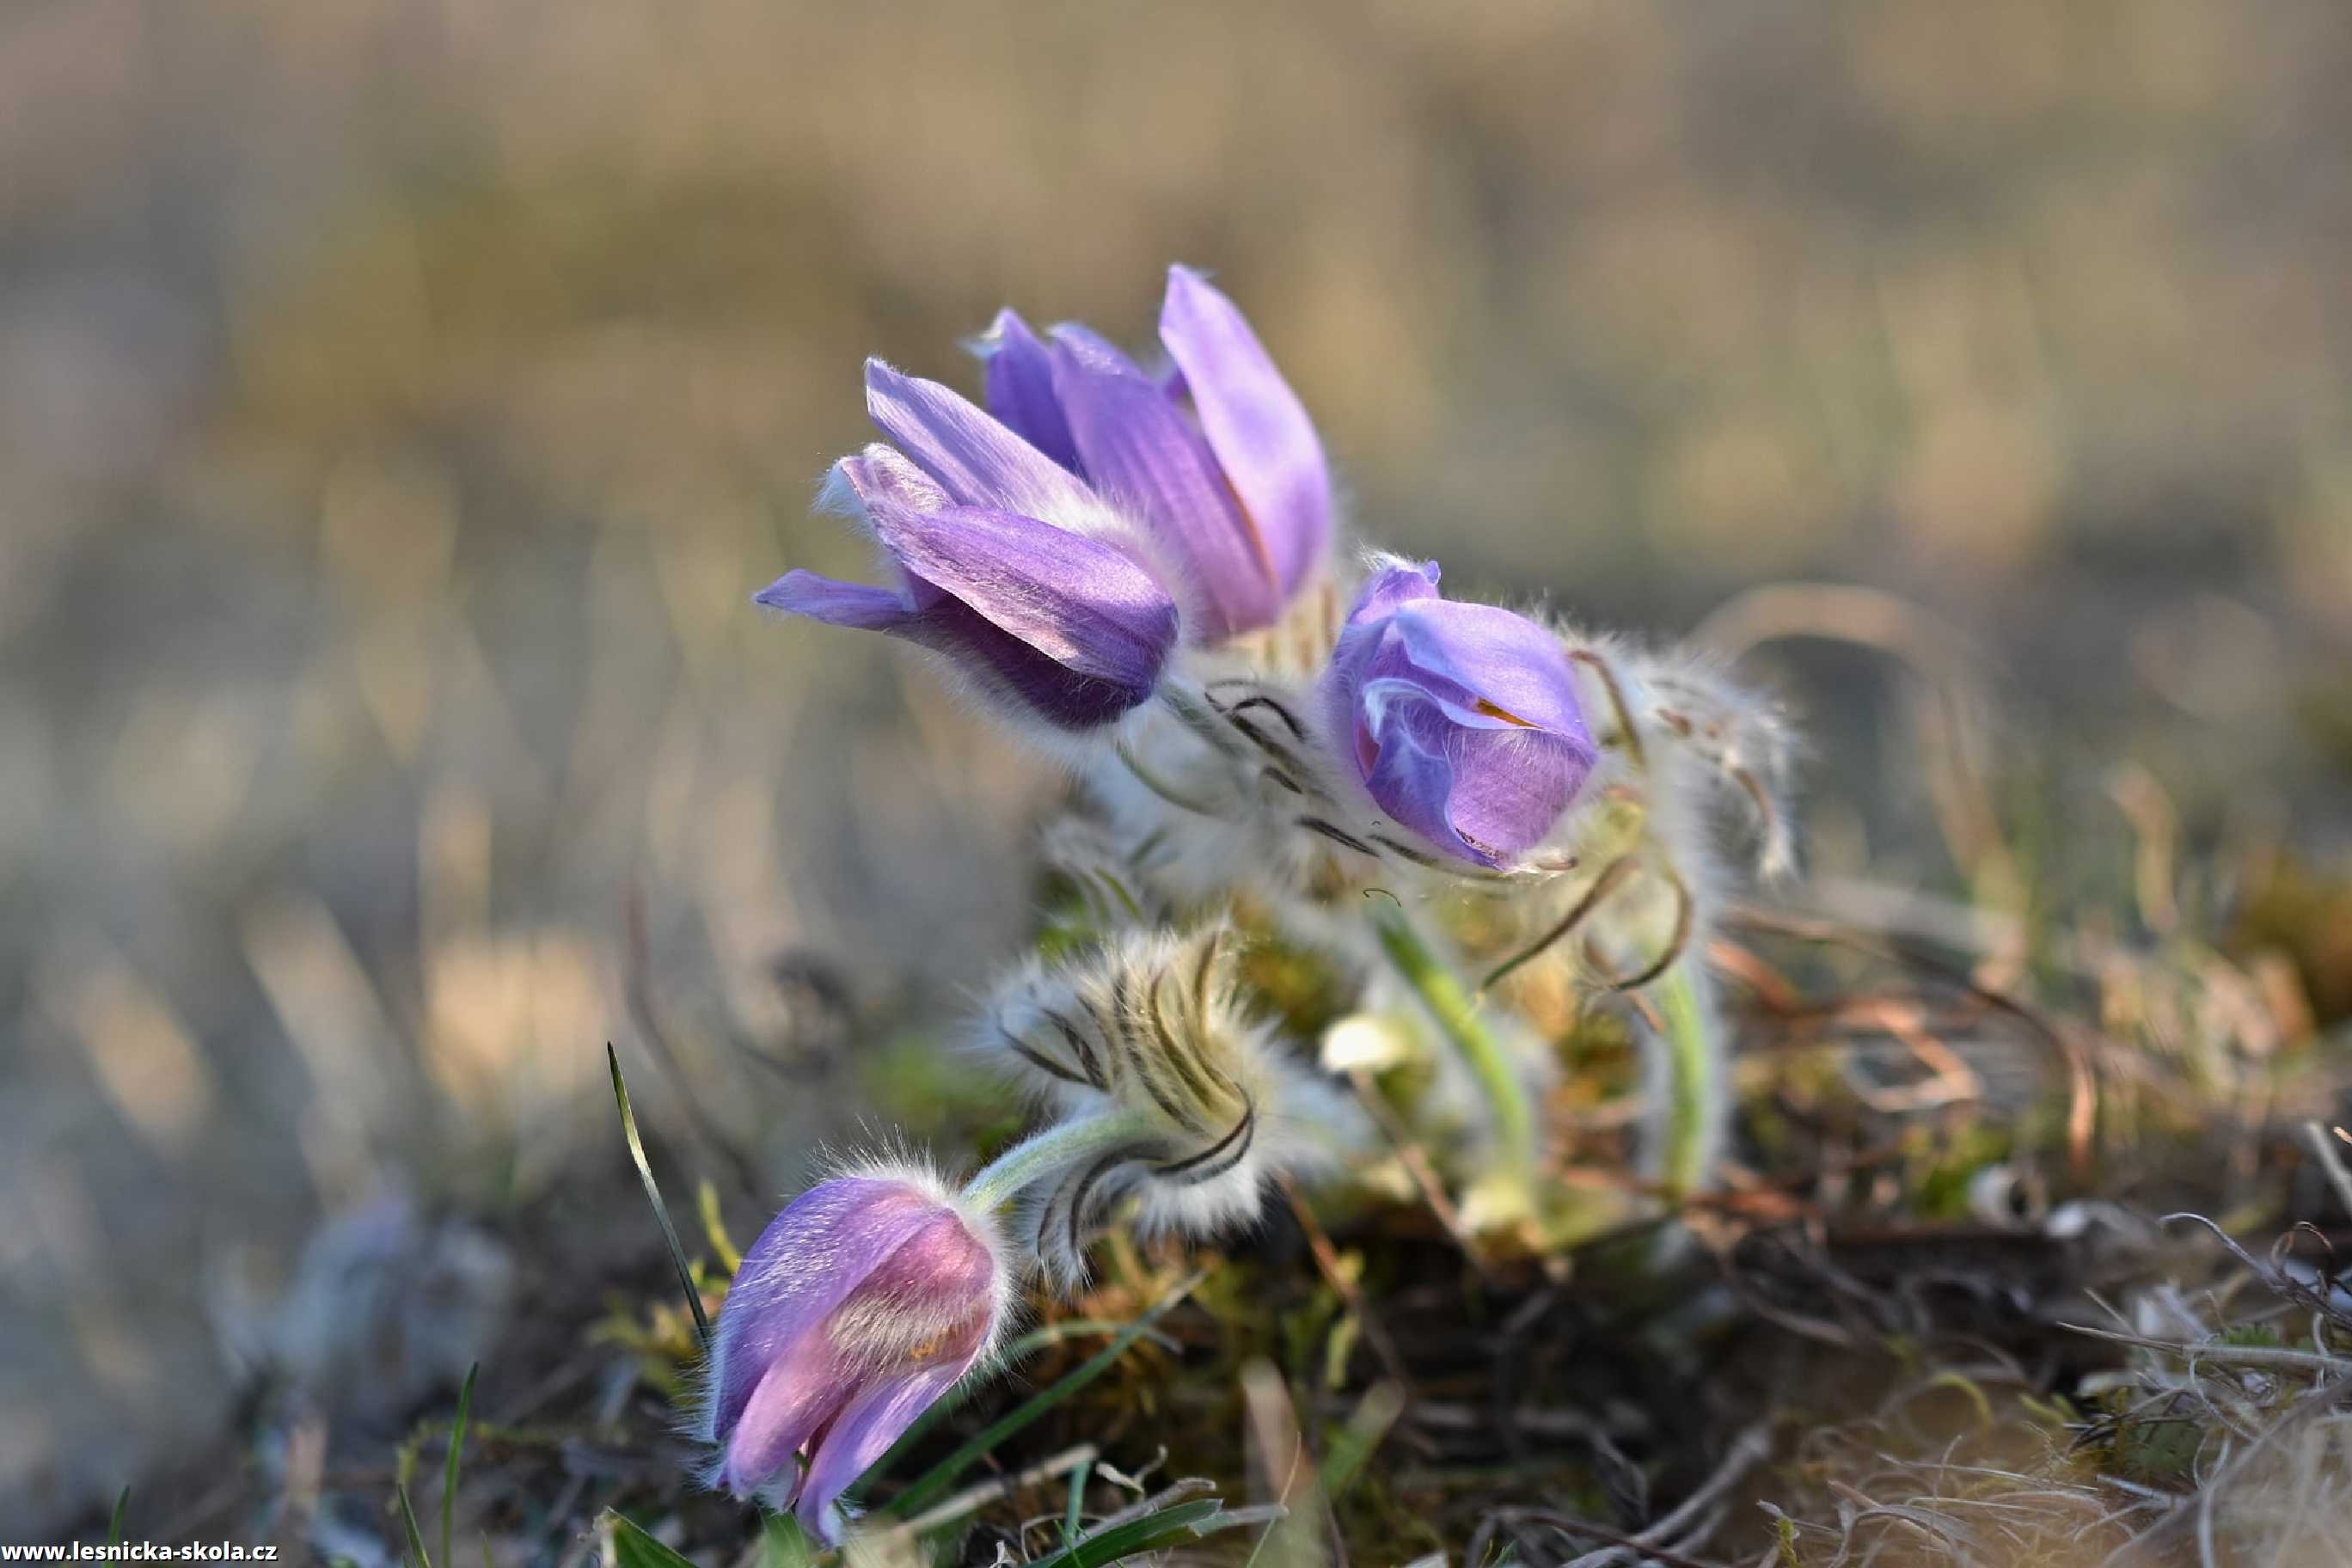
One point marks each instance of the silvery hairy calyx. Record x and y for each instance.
(1474, 824)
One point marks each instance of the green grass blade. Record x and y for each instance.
(422, 1558)
(1354, 1445)
(1173, 1526)
(114, 1525)
(633, 1548)
(1075, 1522)
(449, 1474)
(1013, 1356)
(1070, 1329)
(941, 1476)
(653, 1195)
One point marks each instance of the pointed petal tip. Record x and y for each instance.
(1005, 329)
(854, 605)
(973, 457)
(1180, 276)
(1256, 423)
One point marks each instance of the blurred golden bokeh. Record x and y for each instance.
(400, 399)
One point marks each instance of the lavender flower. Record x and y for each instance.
(1010, 566)
(1234, 488)
(857, 1307)
(1461, 720)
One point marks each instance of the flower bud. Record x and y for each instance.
(857, 1307)
(1150, 1028)
(1461, 721)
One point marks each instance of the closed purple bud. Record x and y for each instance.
(1461, 720)
(1218, 461)
(857, 1307)
(1011, 568)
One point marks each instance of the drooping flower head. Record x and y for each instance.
(857, 1307)
(1152, 1028)
(1010, 566)
(1461, 720)
(1219, 461)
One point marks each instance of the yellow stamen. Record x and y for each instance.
(1505, 715)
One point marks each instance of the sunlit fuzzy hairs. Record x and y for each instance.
(1225, 783)
(1680, 741)
(1110, 878)
(1683, 739)
(1151, 1028)
(1694, 733)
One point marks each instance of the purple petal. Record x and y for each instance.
(1395, 582)
(1407, 772)
(1142, 453)
(976, 460)
(1511, 786)
(804, 1265)
(1500, 665)
(1504, 666)
(1254, 423)
(883, 473)
(1020, 676)
(1019, 375)
(1095, 350)
(837, 604)
(942, 1269)
(797, 1395)
(1485, 790)
(876, 1418)
(1083, 604)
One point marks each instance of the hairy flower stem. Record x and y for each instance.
(1694, 1086)
(1057, 1148)
(1449, 1002)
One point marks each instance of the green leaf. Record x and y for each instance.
(784, 1544)
(633, 1548)
(114, 1525)
(456, 1447)
(928, 1487)
(653, 1195)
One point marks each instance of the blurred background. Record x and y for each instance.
(400, 400)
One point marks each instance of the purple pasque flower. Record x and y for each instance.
(1010, 566)
(1219, 461)
(857, 1307)
(1461, 720)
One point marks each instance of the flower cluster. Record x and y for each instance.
(1471, 824)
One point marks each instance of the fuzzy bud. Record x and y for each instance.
(857, 1307)
(1461, 721)
(1150, 1028)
